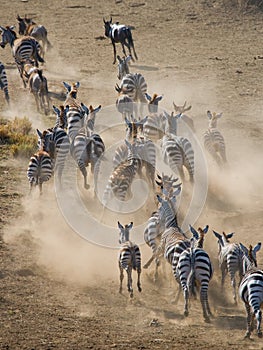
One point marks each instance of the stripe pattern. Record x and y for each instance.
(4, 82)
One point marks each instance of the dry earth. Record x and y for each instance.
(58, 291)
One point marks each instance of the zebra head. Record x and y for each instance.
(8, 36)
(166, 183)
(171, 122)
(200, 235)
(223, 239)
(124, 232)
(153, 102)
(181, 109)
(72, 89)
(21, 25)
(249, 256)
(90, 122)
(44, 140)
(123, 67)
(62, 120)
(213, 117)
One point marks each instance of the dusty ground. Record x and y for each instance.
(57, 290)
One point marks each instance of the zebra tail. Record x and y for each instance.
(191, 277)
(39, 58)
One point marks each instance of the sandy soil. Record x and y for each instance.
(58, 291)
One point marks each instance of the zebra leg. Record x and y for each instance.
(204, 303)
(83, 170)
(40, 187)
(138, 279)
(186, 301)
(233, 283)
(258, 315)
(248, 310)
(121, 278)
(129, 282)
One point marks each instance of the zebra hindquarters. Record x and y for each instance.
(173, 156)
(188, 157)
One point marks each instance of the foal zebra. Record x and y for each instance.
(230, 260)
(194, 265)
(40, 167)
(251, 288)
(29, 28)
(129, 258)
(214, 142)
(119, 33)
(177, 151)
(4, 82)
(24, 48)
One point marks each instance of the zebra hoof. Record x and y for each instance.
(207, 320)
(260, 334)
(186, 313)
(139, 289)
(86, 186)
(131, 295)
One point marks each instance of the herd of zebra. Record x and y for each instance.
(28, 50)
(74, 133)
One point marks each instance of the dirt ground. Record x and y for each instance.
(57, 290)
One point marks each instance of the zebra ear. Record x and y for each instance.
(128, 123)
(209, 114)
(194, 232)
(141, 122)
(2, 29)
(257, 247)
(188, 108)
(243, 248)
(205, 230)
(12, 27)
(67, 86)
(120, 225)
(66, 109)
(56, 110)
(219, 237)
(84, 108)
(130, 226)
(77, 85)
(147, 96)
(159, 98)
(128, 58)
(159, 198)
(97, 109)
(230, 235)
(39, 133)
(219, 115)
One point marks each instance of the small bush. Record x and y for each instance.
(18, 134)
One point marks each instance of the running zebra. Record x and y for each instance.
(29, 28)
(129, 258)
(55, 141)
(146, 150)
(86, 146)
(230, 260)
(177, 151)
(121, 178)
(119, 33)
(124, 104)
(38, 86)
(251, 288)
(24, 48)
(40, 167)
(61, 120)
(194, 266)
(4, 82)
(156, 223)
(123, 66)
(154, 127)
(214, 142)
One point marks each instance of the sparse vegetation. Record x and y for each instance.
(18, 134)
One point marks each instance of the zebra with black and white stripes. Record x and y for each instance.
(146, 150)
(61, 119)
(4, 82)
(29, 28)
(121, 178)
(194, 266)
(214, 142)
(123, 66)
(184, 117)
(40, 168)
(129, 258)
(55, 141)
(177, 151)
(230, 260)
(251, 288)
(24, 48)
(119, 33)
(86, 146)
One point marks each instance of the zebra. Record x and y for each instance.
(154, 127)
(146, 150)
(87, 147)
(124, 104)
(177, 151)
(40, 168)
(251, 288)
(230, 260)
(123, 66)
(129, 258)
(61, 121)
(156, 223)
(122, 176)
(214, 142)
(39, 32)
(38, 86)
(194, 265)
(4, 82)
(55, 141)
(119, 33)
(24, 48)
(72, 90)
(153, 102)
(188, 120)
